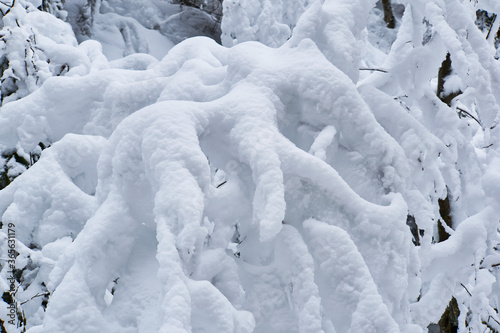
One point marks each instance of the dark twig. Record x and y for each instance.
(373, 69)
(37, 295)
(493, 18)
(467, 290)
(10, 6)
(468, 114)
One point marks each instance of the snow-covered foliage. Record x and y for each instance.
(35, 46)
(263, 21)
(315, 174)
(142, 26)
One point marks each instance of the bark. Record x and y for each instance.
(445, 212)
(444, 72)
(388, 15)
(449, 320)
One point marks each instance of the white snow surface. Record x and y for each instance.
(260, 186)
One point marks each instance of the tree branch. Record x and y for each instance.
(468, 114)
(494, 17)
(373, 69)
(37, 295)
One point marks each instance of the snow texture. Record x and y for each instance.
(267, 185)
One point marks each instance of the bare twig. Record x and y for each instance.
(490, 316)
(373, 69)
(468, 114)
(467, 290)
(221, 183)
(37, 295)
(10, 6)
(491, 25)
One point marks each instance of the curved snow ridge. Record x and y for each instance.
(48, 207)
(462, 249)
(353, 302)
(303, 294)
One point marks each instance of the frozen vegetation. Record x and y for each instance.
(288, 166)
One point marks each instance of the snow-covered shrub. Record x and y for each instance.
(35, 46)
(268, 22)
(190, 22)
(54, 7)
(411, 82)
(264, 188)
(248, 114)
(81, 17)
(212, 7)
(145, 26)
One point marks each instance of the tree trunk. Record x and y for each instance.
(444, 72)
(388, 15)
(445, 212)
(449, 320)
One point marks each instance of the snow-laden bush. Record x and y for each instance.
(170, 150)
(263, 189)
(263, 21)
(34, 46)
(142, 26)
(54, 7)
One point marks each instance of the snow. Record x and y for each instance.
(121, 36)
(353, 298)
(260, 20)
(322, 141)
(261, 186)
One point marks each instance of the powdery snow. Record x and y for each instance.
(257, 186)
